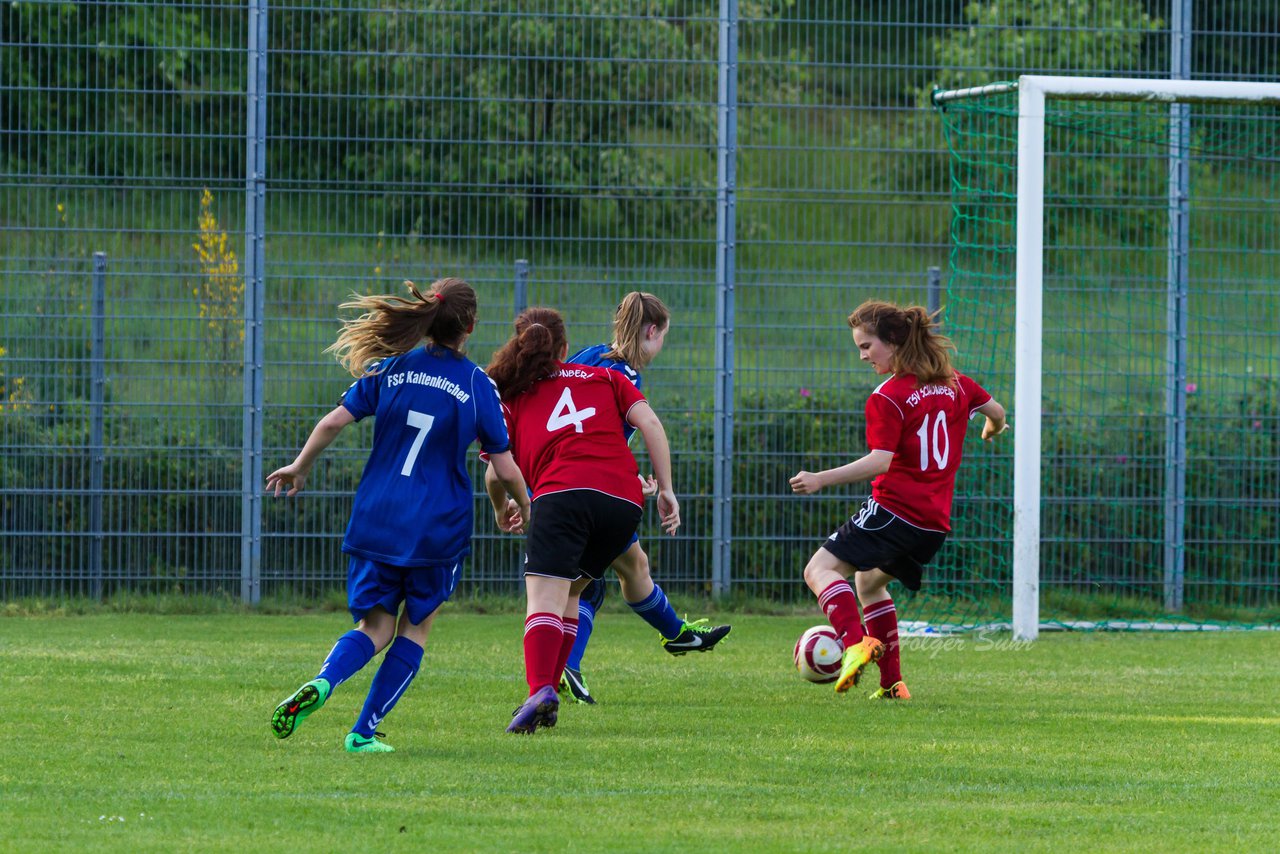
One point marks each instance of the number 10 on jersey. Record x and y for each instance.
(938, 437)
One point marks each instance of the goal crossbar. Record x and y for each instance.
(1032, 92)
(1122, 89)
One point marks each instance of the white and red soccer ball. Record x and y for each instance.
(819, 654)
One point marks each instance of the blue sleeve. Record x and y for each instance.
(361, 398)
(632, 375)
(594, 356)
(491, 427)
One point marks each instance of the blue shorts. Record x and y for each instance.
(421, 589)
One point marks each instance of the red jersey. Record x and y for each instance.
(567, 433)
(924, 428)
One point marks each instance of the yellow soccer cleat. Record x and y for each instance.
(856, 658)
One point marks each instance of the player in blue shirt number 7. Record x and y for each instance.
(411, 520)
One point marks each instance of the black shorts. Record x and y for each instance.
(877, 539)
(578, 532)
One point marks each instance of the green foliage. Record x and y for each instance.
(1006, 38)
(471, 120)
(104, 86)
(173, 484)
(161, 490)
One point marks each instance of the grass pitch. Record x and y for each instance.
(150, 733)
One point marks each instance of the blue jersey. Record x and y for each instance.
(595, 357)
(413, 506)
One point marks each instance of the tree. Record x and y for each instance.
(99, 88)
(1005, 38)
(482, 121)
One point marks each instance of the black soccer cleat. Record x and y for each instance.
(695, 637)
(571, 683)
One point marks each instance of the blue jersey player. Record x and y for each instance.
(411, 520)
(639, 331)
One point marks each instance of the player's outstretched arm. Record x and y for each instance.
(996, 423)
(644, 419)
(504, 482)
(872, 465)
(294, 476)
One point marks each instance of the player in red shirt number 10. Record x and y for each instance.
(916, 424)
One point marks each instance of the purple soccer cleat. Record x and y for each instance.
(539, 710)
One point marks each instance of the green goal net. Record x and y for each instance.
(1159, 438)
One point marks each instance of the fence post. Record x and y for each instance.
(935, 290)
(97, 445)
(522, 286)
(255, 192)
(726, 201)
(1178, 284)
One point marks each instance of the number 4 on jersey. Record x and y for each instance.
(566, 413)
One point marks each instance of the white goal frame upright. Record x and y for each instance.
(1032, 91)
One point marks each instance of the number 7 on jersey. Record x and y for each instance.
(423, 422)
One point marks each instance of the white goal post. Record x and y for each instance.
(1032, 91)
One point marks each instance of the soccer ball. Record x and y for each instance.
(819, 654)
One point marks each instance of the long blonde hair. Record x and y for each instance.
(391, 325)
(636, 311)
(918, 347)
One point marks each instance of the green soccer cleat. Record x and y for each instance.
(293, 711)
(359, 744)
(695, 637)
(857, 657)
(571, 683)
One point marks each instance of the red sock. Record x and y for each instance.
(543, 635)
(841, 608)
(882, 624)
(566, 646)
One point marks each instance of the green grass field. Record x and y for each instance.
(150, 733)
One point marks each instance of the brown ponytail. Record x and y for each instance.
(530, 354)
(636, 311)
(392, 325)
(919, 348)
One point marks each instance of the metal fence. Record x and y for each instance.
(190, 189)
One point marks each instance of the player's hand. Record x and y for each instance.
(510, 518)
(668, 511)
(805, 483)
(292, 477)
(648, 486)
(990, 431)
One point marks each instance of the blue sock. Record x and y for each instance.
(657, 612)
(398, 668)
(352, 652)
(586, 622)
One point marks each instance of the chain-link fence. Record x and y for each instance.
(762, 166)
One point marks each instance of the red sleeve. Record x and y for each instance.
(974, 393)
(884, 424)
